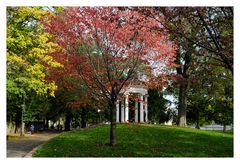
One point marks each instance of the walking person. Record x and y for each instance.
(32, 128)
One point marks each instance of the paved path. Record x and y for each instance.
(23, 146)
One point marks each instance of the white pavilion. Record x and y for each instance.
(139, 113)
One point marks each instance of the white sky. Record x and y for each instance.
(172, 99)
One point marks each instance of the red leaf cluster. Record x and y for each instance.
(107, 48)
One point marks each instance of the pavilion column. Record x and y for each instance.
(141, 109)
(146, 108)
(136, 111)
(117, 111)
(126, 108)
(122, 111)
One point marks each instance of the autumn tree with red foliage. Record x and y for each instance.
(108, 48)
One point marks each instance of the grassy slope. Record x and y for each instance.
(140, 141)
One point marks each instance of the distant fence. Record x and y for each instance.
(216, 127)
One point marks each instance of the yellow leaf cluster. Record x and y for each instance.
(28, 50)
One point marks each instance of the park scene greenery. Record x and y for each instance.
(68, 68)
(140, 141)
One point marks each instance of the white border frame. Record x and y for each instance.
(234, 3)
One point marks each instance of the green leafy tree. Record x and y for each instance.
(198, 112)
(210, 96)
(223, 112)
(158, 106)
(204, 36)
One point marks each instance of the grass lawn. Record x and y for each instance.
(139, 141)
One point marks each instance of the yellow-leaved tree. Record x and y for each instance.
(28, 59)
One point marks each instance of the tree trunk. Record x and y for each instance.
(67, 122)
(22, 123)
(46, 125)
(182, 120)
(83, 118)
(224, 128)
(113, 140)
(15, 128)
(198, 117)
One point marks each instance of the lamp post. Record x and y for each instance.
(99, 115)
